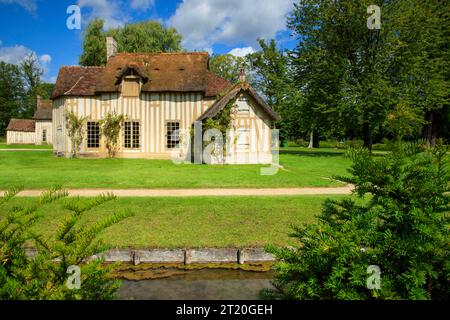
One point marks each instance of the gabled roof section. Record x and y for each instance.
(23, 125)
(76, 81)
(231, 95)
(166, 72)
(43, 110)
(215, 84)
(138, 71)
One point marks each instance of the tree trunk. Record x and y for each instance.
(429, 131)
(311, 140)
(367, 135)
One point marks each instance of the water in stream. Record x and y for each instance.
(204, 284)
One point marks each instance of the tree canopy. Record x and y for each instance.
(149, 36)
(19, 86)
(12, 92)
(228, 66)
(353, 77)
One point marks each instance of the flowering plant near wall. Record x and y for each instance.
(75, 129)
(110, 128)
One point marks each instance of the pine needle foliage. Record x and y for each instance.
(398, 221)
(44, 276)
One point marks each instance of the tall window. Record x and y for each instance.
(243, 139)
(132, 135)
(172, 134)
(44, 135)
(242, 105)
(93, 134)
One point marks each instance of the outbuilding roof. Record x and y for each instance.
(24, 125)
(232, 94)
(43, 110)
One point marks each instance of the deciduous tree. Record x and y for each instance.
(12, 92)
(142, 37)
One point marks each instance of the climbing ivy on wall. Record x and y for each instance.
(222, 121)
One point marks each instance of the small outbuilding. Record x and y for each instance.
(32, 131)
(21, 131)
(43, 118)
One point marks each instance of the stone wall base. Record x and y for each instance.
(182, 256)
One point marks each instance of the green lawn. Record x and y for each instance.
(190, 222)
(24, 146)
(34, 170)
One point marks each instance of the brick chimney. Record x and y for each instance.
(111, 47)
(242, 76)
(38, 101)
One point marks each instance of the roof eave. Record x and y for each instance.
(232, 94)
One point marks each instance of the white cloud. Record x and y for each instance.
(29, 5)
(15, 54)
(241, 52)
(115, 13)
(45, 61)
(143, 5)
(109, 11)
(206, 22)
(45, 58)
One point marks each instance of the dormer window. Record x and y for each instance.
(131, 86)
(131, 79)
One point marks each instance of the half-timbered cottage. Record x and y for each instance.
(159, 94)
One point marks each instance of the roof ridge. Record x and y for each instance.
(164, 53)
(84, 67)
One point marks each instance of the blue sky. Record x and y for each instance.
(216, 26)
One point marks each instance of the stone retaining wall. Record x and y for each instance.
(186, 256)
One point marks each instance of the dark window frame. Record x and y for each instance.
(172, 142)
(93, 134)
(132, 135)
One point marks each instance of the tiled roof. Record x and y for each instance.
(24, 125)
(43, 110)
(76, 81)
(163, 72)
(215, 84)
(232, 94)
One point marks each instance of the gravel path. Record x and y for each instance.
(25, 149)
(198, 192)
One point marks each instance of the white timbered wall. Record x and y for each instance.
(152, 110)
(40, 127)
(20, 137)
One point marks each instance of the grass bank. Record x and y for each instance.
(190, 222)
(39, 170)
